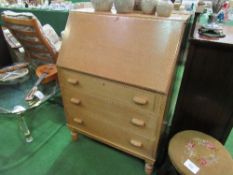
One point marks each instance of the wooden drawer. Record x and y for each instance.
(113, 134)
(104, 88)
(79, 105)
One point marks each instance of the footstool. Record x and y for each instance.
(192, 152)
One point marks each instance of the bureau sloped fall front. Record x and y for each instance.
(115, 74)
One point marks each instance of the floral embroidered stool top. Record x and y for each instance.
(193, 152)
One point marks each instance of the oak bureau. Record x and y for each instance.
(115, 73)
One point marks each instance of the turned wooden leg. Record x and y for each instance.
(149, 168)
(74, 135)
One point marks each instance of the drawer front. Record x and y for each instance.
(113, 134)
(81, 105)
(104, 88)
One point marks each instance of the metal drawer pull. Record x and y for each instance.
(140, 100)
(138, 122)
(136, 143)
(72, 81)
(78, 120)
(75, 101)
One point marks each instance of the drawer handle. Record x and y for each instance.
(75, 101)
(78, 120)
(136, 143)
(72, 81)
(140, 100)
(137, 122)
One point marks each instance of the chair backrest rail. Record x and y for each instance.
(29, 33)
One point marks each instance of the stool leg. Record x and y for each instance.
(149, 167)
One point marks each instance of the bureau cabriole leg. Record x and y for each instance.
(74, 135)
(149, 167)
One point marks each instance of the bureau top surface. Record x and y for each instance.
(134, 49)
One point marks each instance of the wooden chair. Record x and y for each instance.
(192, 152)
(39, 50)
(27, 29)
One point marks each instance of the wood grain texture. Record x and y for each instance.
(104, 105)
(107, 110)
(134, 50)
(115, 73)
(119, 137)
(108, 89)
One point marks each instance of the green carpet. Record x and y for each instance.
(229, 143)
(40, 162)
(87, 157)
(56, 154)
(43, 125)
(61, 156)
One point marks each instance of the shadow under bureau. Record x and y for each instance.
(115, 74)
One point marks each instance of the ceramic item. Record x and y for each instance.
(164, 8)
(148, 6)
(177, 4)
(102, 5)
(137, 5)
(124, 6)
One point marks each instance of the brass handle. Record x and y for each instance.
(138, 122)
(78, 120)
(136, 143)
(72, 81)
(75, 101)
(140, 100)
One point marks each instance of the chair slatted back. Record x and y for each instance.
(28, 32)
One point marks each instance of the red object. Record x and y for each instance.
(203, 162)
